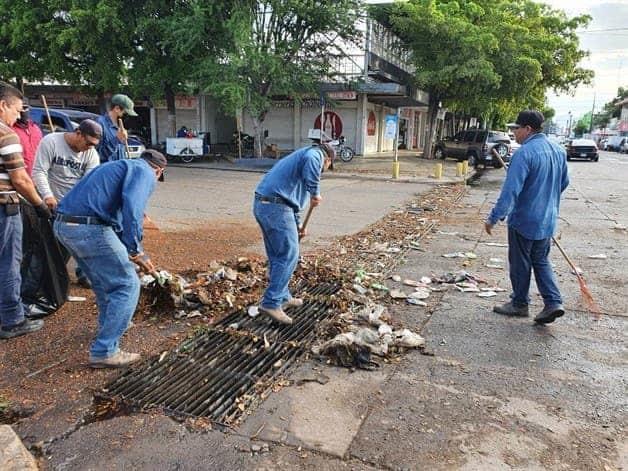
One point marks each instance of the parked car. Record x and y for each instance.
(63, 119)
(615, 143)
(582, 149)
(624, 148)
(68, 119)
(475, 145)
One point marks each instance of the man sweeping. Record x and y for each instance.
(282, 193)
(530, 198)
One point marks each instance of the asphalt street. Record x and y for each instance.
(499, 393)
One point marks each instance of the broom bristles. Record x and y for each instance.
(587, 297)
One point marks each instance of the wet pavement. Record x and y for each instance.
(499, 393)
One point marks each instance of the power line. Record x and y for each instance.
(584, 31)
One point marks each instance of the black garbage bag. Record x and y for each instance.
(45, 280)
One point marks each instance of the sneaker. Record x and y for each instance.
(509, 309)
(292, 302)
(25, 327)
(118, 360)
(33, 311)
(83, 282)
(276, 314)
(549, 314)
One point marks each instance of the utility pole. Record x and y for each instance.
(569, 126)
(592, 111)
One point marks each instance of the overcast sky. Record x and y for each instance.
(606, 38)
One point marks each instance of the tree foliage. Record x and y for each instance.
(611, 109)
(274, 48)
(488, 57)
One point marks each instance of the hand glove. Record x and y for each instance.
(43, 211)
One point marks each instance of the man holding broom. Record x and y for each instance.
(530, 199)
(282, 193)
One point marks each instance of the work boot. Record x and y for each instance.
(276, 314)
(25, 327)
(292, 302)
(509, 309)
(118, 360)
(549, 314)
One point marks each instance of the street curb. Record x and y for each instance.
(337, 175)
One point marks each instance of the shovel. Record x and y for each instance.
(306, 220)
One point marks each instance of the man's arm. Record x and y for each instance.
(43, 162)
(312, 172)
(515, 179)
(136, 189)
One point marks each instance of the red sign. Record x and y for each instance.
(348, 95)
(332, 124)
(371, 124)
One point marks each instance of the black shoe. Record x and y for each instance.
(34, 311)
(509, 309)
(25, 327)
(549, 314)
(83, 282)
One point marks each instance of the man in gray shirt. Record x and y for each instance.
(62, 159)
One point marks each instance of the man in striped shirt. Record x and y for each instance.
(14, 180)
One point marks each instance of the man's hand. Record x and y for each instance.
(42, 211)
(316, 200)
(488, 227)
(51, 202)
(143, 261)
(122, 135)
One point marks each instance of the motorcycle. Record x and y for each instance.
(343, 151)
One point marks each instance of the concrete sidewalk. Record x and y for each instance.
(413, 167)
(499, 393)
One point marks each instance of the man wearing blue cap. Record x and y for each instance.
(111, 146)
(530, 198)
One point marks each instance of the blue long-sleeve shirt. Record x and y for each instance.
(109, 148)
(116, 192)
(530, 195)
(295, 178)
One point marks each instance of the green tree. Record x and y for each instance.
(271, 48)
(610, 110)
(27, 28)
(489, 58)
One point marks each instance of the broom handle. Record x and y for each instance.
(307, 217)
(43, 100)
(126, 141)
(560, 248)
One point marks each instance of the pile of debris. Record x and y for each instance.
(224, 287)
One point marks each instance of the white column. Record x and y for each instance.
(296, 125)
(153, 126)
(360, 128)
(380, 128)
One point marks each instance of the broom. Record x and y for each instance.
(587, 297)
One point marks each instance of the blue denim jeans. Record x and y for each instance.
(11, 310)
(105, 261)
(281, 240)
(525, 255)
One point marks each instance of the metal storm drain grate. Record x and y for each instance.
(218, 372)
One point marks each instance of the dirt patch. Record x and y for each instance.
(46, 373)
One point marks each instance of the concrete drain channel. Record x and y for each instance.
(219, 372)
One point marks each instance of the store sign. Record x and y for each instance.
(180, 103)
(390, 131)
(332, 124)
(346, 95)
(371, 124)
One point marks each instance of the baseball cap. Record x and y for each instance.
(154, 157)
(124, 102)
(89, 127)
(532, 118)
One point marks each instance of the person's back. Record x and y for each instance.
(543, 167)
(295, 177)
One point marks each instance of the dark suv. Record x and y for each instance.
(475, 145)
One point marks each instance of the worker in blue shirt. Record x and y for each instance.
(530, 198)
(100, 223)
(283, 192)
(112, 145)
